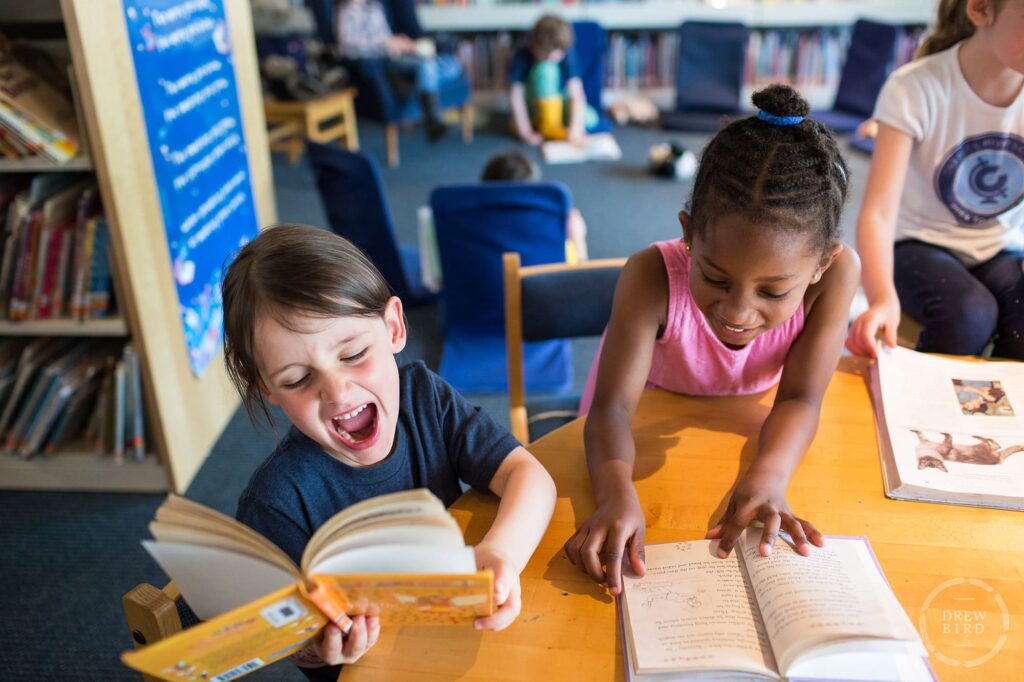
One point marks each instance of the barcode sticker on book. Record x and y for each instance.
(283, 612)
(239, 670)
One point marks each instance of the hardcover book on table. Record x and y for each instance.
(950, 431)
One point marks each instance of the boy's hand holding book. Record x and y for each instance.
(507, 590)
(760, 495)
(331, 647)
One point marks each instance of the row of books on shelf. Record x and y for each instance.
(36, 119)
(647, 59)
(56, 260)
(81, 394)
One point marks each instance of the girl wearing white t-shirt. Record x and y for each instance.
(940, 230)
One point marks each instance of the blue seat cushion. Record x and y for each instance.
(477, 364)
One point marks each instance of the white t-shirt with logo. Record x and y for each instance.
(965, 180)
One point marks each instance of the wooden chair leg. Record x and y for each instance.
(295, 148)
(467, 122)
(391, 134)
(151, 615)
(351, 129)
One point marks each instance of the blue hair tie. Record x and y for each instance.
(779, 120)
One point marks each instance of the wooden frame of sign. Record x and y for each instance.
(186, 413)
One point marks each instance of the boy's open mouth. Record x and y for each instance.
(357, 427)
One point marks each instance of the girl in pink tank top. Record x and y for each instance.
(757, 292)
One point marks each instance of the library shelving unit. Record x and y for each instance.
(185, 414)
(662, 16)
(618, 15)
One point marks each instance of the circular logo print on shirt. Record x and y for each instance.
(982, 177)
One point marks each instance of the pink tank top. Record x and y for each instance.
(690, 359)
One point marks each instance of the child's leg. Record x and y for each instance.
(1002, 276)
(427, 83)
(543, 91)
(958, 313)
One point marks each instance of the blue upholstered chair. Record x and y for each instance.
(475, 225)
(709, 75)
(864, 145)
(353, 196)
(589, 46)
(544, 302)
(868, 62)
(377, 100)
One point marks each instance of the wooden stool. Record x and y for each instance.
(324, 119)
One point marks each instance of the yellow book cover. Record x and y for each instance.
(399, 556)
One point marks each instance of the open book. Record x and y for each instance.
(950, 430)
(596, 147)
(829, 616)
(400, 556)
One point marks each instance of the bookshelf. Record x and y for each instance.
(114, 327)
(185, 413)
(662, 17)
(668, 14)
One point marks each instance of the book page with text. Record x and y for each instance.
(693, 611)
(836, 593)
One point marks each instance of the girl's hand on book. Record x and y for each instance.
(761, 496)
(615, 530)
(334, 648)
(507, 591)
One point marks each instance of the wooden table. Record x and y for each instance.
(324, 119)
(689, 453)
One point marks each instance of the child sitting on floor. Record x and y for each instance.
(310, 326)
(545, 91)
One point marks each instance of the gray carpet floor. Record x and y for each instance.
(67, 558)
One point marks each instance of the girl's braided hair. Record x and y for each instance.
(777, 168)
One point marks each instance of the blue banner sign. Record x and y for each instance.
(186, 80)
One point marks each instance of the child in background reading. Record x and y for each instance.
(545, 91)
(946, 185)
(311, 327)
(758, 288)
(513, 166)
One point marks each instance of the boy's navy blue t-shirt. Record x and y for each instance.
(440, 438)
(523, 61)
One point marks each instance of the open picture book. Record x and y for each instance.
(596, 147)
(950, 430)
(827, 616)
(400, 556)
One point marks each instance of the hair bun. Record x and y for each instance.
(781, 100)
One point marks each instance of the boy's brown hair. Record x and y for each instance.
(510, 166)
(550, 33)
(291, 270)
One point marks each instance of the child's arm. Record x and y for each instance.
(760, 494)
(520, 117)
(616, 528)
(527, 501)
(876, 230)
(577, 109)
